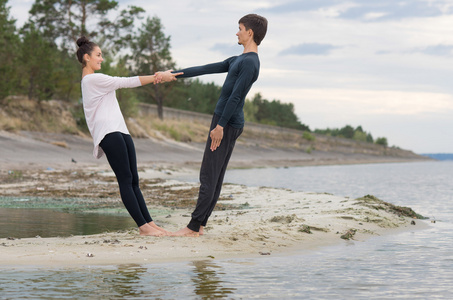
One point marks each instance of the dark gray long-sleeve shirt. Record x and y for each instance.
(243, 71)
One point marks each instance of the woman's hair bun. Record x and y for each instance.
(82, 41)
(85, 47)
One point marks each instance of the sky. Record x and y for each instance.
(385, 65)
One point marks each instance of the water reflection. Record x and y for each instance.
(30, 222)
(207, 280)
(387, 267)
(196, 280)
(127, 281)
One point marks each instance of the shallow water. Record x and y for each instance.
(381, 268)
(30, 222)
(409, 265)
(427, 187)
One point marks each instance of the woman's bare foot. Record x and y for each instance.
(185, 232)
(149, 230)
(154, 225)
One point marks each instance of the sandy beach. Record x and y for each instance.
(248, 221)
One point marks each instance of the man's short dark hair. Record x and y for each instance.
(257, 24)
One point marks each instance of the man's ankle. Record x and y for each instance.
(194, 225)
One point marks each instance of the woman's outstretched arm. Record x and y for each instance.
(159, 77)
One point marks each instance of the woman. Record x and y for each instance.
(108, 128)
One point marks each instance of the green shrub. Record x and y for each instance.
(308, 136)
(382, 141)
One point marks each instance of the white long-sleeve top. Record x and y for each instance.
(101, 108)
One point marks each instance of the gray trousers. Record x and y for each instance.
(212, 172)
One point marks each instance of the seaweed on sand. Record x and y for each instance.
(374, 202)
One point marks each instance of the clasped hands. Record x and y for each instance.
(166, 76)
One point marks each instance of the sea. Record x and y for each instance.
(413, 264)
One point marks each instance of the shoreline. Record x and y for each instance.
(248, 221)
(107, 249)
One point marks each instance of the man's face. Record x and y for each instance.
(243, 35)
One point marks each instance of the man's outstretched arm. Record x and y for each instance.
(220, 67)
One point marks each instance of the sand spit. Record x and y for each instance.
(248, 222)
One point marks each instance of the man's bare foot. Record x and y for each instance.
(154, 225)
(201, 232)
(185, 232)
(149, 230)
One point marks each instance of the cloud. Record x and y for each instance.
(226, 48)
(309, 49)
(384, 52)
(306, 5)
(391, 10)
(374, 102)
(369, 10)
(439, 50)
(436, 50)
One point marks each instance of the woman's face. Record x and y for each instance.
(94, 60)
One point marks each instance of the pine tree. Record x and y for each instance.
(66, 20)
(150, 54)
(9, 44)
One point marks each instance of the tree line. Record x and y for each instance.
(348, 132)
(357, 134)
(39, 61)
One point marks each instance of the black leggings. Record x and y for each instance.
(120, 151)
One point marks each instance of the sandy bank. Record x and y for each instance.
(249, 221)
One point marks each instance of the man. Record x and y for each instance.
(228, 120)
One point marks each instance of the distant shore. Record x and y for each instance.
(29, 150)
(250, 221)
